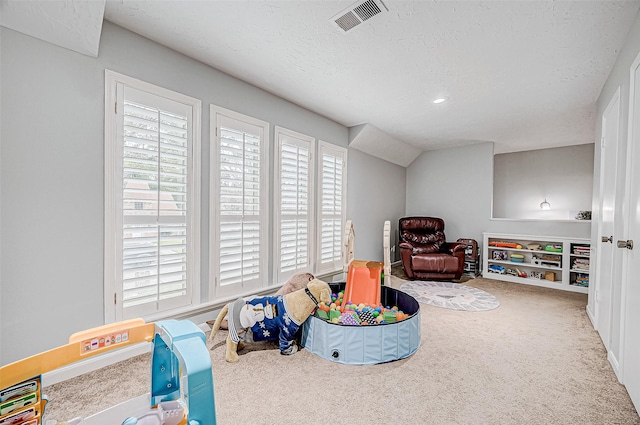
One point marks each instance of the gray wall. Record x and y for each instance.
(563, 176)
(51, 172)
(456, 185)
(376, 192)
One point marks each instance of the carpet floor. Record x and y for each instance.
(535, 359)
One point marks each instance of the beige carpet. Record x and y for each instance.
(534, 360)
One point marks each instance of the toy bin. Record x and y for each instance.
(366, 345)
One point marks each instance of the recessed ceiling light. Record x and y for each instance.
(439, 100)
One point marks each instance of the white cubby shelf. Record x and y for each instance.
(566, 267)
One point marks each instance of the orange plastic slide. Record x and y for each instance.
(363, 283)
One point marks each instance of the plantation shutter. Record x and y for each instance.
(332, 206)
(295, 203)
(241, 203)
(155, 205)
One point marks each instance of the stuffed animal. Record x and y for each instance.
(270, 318)
(297, 281)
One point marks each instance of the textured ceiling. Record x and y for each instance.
(73, 24)
(522, 74)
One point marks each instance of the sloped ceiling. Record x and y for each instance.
(523, 75)
(73, 24)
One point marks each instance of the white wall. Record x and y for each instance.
(51, 172)
(618, 77)
(376, 192)
(563, 176)
(456, 185)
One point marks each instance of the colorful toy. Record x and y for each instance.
(502, 244)
(271, 318)
(364, 337)
(494, 268)
(179, 348)
(553, 247)
(516, 258)
(297, 281)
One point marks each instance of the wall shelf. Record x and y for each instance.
(565, 267)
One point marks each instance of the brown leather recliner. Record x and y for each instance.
(425, 252)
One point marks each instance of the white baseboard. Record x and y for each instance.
(591, 317)
(615, 365)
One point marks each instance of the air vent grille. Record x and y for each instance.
(367, 10)
(357, 13)
(347, 21)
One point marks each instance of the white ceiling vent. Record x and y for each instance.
(357, 13)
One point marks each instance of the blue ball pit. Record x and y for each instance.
(366, 345)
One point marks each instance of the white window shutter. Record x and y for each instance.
(332, 194)
(239, 196)
(155, 168)
(156, 199)
(295, 201)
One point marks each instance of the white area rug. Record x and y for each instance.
(451, 295)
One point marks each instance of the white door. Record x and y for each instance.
(631, 289)
(604, 260)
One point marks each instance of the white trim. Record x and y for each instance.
(114, 90)
(615, 365)
(591, 316)
(324, 147)
(303, 141)
(218, 113)
(541, 220)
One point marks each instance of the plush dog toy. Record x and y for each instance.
(297, 281)
(270, 318)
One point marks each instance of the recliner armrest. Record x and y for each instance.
(405, 245)
(453, 247)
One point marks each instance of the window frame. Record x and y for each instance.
(113, 196)
(301, 139)
(215, 289)
(336, 265)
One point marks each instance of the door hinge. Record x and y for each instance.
(602, 142)
(115, 298)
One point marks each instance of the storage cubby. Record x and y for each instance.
(552, 262)
(580, 264)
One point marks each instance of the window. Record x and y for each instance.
(294, 203)
(332, 162)
(239, 202)
(152, 201)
